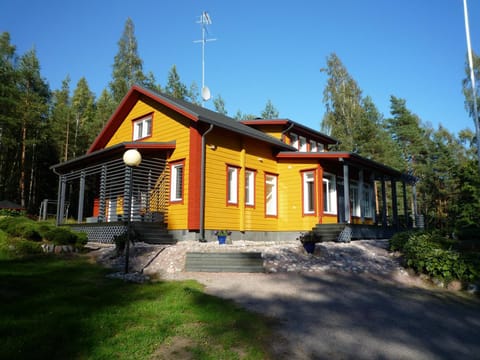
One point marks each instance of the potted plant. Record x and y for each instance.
(222, 236)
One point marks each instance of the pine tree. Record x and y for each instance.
(270, 112)
(61, 119)
(175, 87)
(83, 111)
(105, 107)
(219, 105)
(127, 66)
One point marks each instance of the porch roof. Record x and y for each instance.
(351, 158)
(111, 152)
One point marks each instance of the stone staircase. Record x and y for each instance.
(153, 233)
(224, 262)
(327, 232)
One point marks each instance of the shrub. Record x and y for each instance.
(398, 240)
(20, 226)
(426, 253)
(17, 247)
(61, 236)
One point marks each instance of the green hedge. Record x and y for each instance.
(433, 254)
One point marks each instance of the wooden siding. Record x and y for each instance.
(225, 149)
(166, 126)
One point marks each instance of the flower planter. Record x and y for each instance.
(309, 247)
(222, 239)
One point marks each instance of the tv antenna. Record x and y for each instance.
(204, 21)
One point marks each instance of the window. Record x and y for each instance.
(302, 144)
(308, 192)
(294, 140)
(249, 187)
(367, 201)
(313, 146)
(232, 185)
(270, 195)
(142, 128)
(176, 186)
(329, 194)
(320, 147)
(354, 200)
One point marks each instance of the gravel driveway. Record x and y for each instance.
(357, 304)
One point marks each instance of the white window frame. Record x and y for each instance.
(354, 199)
(249, 187)
(177, 181)
(142, 128)
(320, 147)
(302, 143)
(308, 192)
(329, 194)
(271, 196)
(232, 185)
(313, 146)
(294, 140)
(367, 201)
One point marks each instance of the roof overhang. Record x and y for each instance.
(98, 156)
(351, 159)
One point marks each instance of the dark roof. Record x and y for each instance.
(7, 204)
(118, 149)
(192, 111)
(258, 122)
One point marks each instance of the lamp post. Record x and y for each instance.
(131, 158)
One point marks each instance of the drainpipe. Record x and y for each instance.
(286, 130)
(202, 185)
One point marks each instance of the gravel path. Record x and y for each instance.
(346, 301)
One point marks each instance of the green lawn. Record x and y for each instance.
(65, 308)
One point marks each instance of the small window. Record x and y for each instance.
(232, 185)
(294, 140)
(249, 187)
(313, 146)
(302, 144)
(308, 192)
(271, 195)
(142, 128)
(176, 187)
(320, 147)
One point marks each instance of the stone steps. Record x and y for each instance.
(224, 262)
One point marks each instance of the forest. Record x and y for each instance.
(40, 127)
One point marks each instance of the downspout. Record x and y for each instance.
(202, 185)
(286, 131)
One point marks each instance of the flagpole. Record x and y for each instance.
(472, 81)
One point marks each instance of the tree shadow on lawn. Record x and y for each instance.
(346, 316)
(67, 309)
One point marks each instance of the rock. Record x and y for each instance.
(455, 285)
(472, 288)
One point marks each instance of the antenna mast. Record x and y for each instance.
(204, 21)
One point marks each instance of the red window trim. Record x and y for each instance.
(265, 195)
(227, 189)
(171, 165)
(251, 206)
(315, 203)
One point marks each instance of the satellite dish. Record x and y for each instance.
(206, 93)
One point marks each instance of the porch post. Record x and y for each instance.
(103, 194)
(346, 193)
(405, 204)
(81, 196)
(361, 196)
(384, 203)
(61, 199)
(394, 203)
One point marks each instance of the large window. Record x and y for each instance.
(368, 201)
(176, 184)
(308, 192)
(250, 187)
(270, 195)
(232, 185)
(329, 194)
(142, 128)
(302, 144)
(354, 200)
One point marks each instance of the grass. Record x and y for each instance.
(65, 308)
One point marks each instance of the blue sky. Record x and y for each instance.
(264, 50)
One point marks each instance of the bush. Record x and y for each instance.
(61, 236)
(398, 240)
(426, 253)
(16, 247)
(20, 226)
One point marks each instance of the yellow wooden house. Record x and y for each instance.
(201, 171)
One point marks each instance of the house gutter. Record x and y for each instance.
(202, 185)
